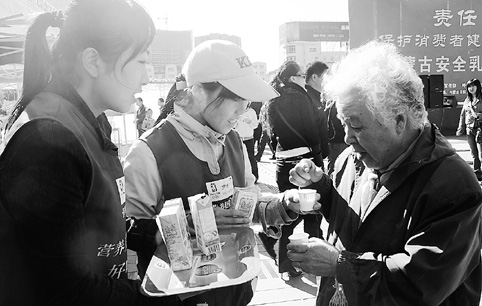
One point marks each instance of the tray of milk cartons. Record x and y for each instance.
(214, 258)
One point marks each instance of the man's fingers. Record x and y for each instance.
(233, 225)
(299, 179)
(297, 247)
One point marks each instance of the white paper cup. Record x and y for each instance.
(307, 199)
(298, 238)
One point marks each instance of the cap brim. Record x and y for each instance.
(250, 87)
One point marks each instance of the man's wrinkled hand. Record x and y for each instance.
(305, 173)
(316, 257)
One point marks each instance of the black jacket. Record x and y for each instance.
(321, 120)
(294, 105)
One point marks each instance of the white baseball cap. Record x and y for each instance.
(226, 63)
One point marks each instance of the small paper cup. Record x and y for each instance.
(298, 238)
(307, 199)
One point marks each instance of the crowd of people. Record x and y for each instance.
(403, 208)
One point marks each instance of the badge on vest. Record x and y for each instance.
(221, 192)
(121, 187)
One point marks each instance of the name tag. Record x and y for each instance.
(221, 192)
(121, 187)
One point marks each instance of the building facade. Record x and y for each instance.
(305, 42)
(261, 70)
(168, 52)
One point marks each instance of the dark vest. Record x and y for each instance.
(183, 174)
(104, 241)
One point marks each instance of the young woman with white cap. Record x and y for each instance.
(195, 147)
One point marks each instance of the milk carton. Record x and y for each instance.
(245, 199)
(173, 225)
(207, 235)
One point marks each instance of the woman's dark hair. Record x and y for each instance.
(176, 93)
(109, 26)
(478, 92)
(280, 80)
(285, 72)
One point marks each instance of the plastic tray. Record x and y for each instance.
(237, 263)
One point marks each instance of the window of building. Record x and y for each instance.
(313, 50)
(290, 49)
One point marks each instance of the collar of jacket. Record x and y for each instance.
(313, 91)
(293, 86)
(430, 146)
(191, 128)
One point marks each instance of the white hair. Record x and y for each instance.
(384, 80)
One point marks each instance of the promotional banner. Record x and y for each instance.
(439, 37)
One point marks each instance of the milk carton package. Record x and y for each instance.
(245, 199)
(207, 235)
(173, 225)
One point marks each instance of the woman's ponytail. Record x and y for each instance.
(37, 55)
(37, 60)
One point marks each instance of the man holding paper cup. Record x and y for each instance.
(403, 208)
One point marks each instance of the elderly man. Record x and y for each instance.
(403, 208)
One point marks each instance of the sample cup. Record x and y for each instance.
(298, 238)
(307, 199)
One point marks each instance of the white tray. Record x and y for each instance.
(237, 263)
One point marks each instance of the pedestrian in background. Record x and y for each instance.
(62, 189)
(258, 131)
(291, 120)
(314, 78)
(148, 121)
(160, 103)
(265, 138)
(403, 207)
(336, 135)
(470, 123)
(140, 116)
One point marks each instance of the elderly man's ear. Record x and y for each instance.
(401, 123)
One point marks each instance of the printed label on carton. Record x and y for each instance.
(221, 192)
(207, 236)
(173, 225)
(245, 199)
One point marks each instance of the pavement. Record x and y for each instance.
(273, 288)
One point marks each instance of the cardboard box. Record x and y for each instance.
(246, 199)
(174, 228)
(207, 235)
